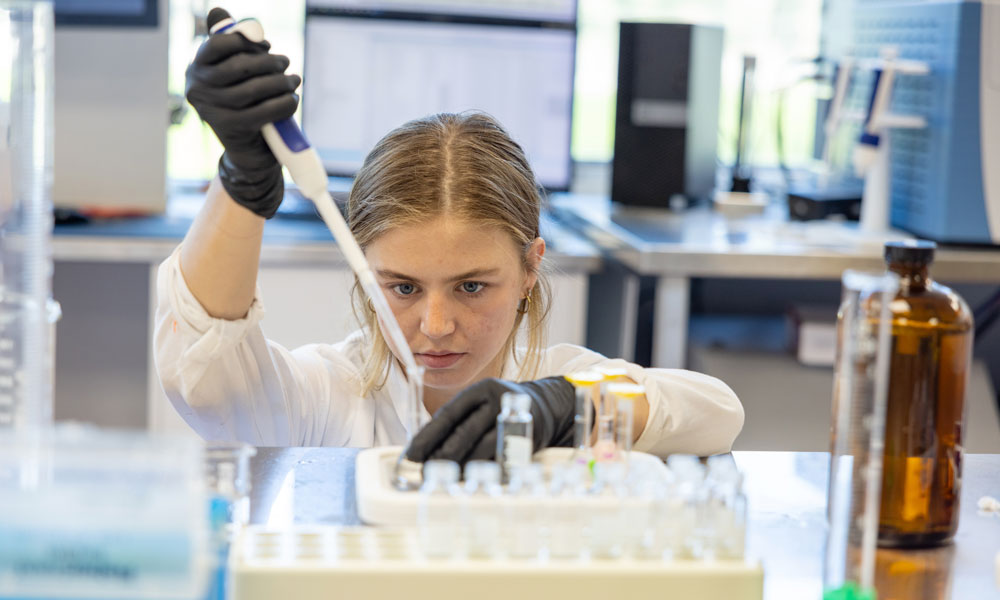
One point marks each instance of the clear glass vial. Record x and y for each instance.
(437, 521)
(523, 521)
(514, 434)
(726, 508)
(482, 512)
(689, 491)
(566, 512)
(608, 530)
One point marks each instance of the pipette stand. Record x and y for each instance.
(874, 227)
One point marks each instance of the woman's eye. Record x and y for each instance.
(404, 289)
(472, 287)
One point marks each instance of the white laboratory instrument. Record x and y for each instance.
(871, 156)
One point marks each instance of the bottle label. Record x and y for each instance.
(917, 486)
(516, 451)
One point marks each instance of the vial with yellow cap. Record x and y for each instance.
(605, 448)
(588, 386)
(623, 397)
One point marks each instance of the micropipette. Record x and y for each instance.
(293, 150)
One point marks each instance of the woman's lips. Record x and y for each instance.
(440, 361)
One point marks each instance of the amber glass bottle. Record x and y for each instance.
(928, 373)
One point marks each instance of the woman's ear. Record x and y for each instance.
(533, 261)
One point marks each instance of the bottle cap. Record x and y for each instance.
(612, 373)
(443, 471)
(626, 391)
(914, 253)
(515, 402)
(584, 378)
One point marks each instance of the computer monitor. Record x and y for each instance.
(370, 66)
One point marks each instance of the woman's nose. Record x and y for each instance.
(437, 319)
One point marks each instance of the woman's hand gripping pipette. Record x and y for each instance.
(253, 119)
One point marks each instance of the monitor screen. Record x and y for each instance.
(365, 76)
(563, 11)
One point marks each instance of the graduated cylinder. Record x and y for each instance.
(26, 309)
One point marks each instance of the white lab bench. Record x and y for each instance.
(105, 279)
(674, 248)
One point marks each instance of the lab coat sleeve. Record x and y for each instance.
(689, 412)
(229, 383)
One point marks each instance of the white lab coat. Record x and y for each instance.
(230, 383)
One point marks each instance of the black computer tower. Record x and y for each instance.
(667, 116)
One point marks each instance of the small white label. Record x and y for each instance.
(516, 451)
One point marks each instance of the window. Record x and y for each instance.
(192, 149)
(783, 35)
(780, 33)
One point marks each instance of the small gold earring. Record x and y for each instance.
(525, 304)
(371, 306)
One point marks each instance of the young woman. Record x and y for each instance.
(446, 209)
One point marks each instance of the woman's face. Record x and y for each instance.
(454, 287)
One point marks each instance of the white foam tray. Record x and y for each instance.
(379, 503)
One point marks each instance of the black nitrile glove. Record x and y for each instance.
(465, 428)
(237, 87)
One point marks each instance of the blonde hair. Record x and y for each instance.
(463, 165)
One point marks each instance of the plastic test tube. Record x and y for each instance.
(624, 396)
(605, 448)
(588, 389)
